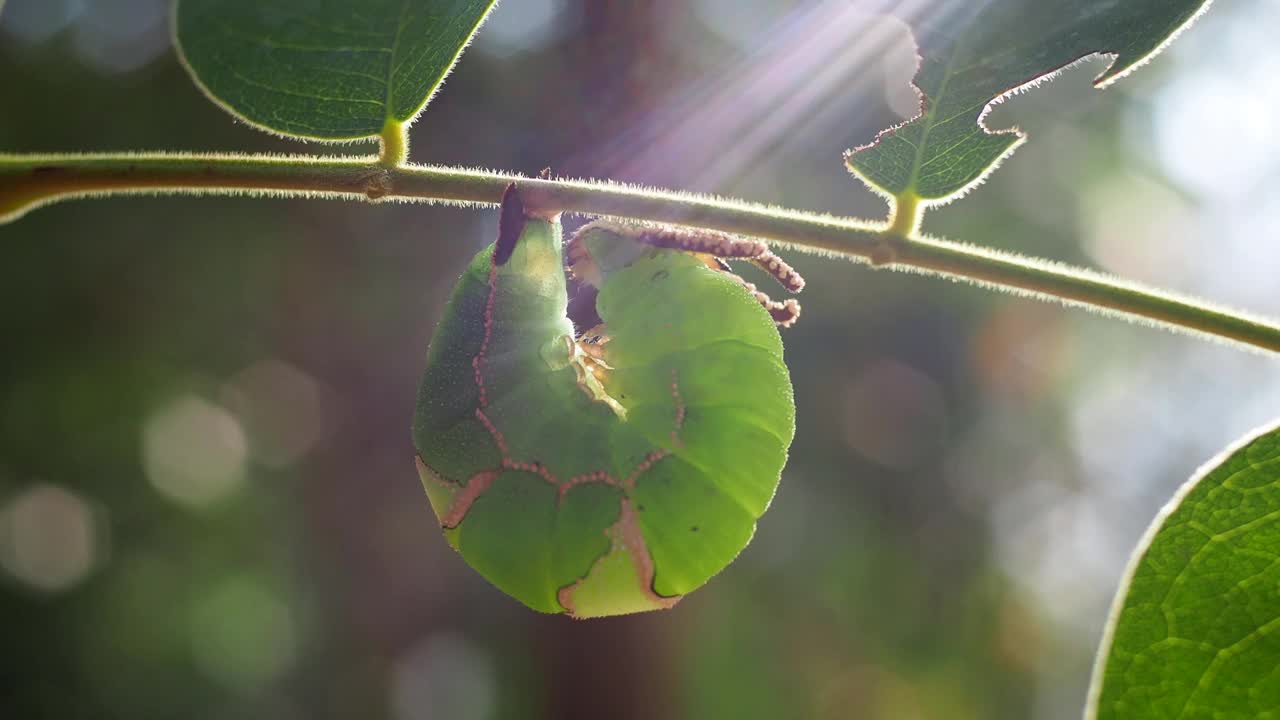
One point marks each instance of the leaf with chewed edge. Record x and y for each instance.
(974, 53)
(324, 69)
(1195, 629)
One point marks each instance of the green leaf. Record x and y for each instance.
(1195, 630)
(974, 52)
(325, 69)
(600, 478)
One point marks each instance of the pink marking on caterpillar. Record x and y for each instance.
(494, 432)
(649, 461)
(462, 502)
(624, 536)
(628, 529)
(531, 467)
(596, 476)
(477, 363)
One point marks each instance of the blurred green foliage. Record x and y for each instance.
(295, 570)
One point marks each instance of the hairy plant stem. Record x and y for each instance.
(28, 181)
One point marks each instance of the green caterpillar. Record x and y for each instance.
(613, 473)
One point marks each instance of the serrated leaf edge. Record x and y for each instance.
(1108, 76)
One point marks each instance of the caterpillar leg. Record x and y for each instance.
(592, 342)
(714, 248)
(784, 313)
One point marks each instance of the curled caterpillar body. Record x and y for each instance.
(616, 471)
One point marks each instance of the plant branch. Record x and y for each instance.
(28, 181)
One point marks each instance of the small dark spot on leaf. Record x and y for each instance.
(639, 508)
(693, 529)
(660, 275)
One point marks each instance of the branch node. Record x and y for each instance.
(377, 184)
(884, 251)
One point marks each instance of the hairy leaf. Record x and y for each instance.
(1195, 630)
(974, 52)
(327, 69)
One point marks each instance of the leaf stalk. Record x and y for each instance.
(394, 144)
(906, 215)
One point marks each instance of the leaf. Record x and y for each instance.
(324, 69)
(1195, 630)
(975, 52)
(600, 478)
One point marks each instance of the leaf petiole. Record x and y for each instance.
(393, 143)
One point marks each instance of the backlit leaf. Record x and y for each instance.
(1195, 631)
(327, 69)
(974, 52)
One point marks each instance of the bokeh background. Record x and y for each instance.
(208, 507)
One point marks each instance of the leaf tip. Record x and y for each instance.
(1130, 59)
